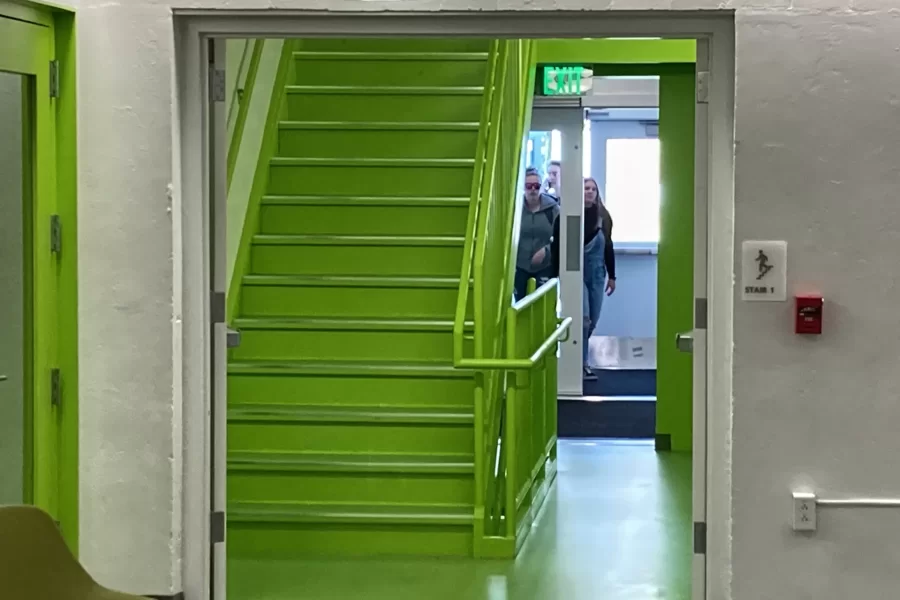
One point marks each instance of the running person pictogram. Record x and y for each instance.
(763, 265)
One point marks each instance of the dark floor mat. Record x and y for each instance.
(621, 382)
(626, 418)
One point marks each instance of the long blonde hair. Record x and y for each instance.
(603, 217)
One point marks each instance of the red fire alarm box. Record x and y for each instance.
(808, 315)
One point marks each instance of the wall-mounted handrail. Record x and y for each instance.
(465, 279)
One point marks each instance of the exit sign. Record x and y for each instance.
(567, 81)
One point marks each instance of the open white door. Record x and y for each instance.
(569, 123)
(220, 337)
(699, 345)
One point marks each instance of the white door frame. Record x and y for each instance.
(194, 199)
(570, 123)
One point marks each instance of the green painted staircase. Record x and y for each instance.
(349, 430)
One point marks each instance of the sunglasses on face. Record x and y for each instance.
(532, 186)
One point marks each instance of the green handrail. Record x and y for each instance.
(477, 242)
(240, 100)
(501, 351)
(276, 78)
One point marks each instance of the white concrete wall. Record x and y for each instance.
(818, 144)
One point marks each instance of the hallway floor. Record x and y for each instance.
(616, 526)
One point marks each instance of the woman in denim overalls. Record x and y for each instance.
(599, 267)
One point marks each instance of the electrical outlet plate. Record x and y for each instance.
(804, 511)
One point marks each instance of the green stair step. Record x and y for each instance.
(356, 385)
(385, 103)
(391, 56)
(358, 215)
(391, 68)
(380, 163)
(361, 176)
(305, 338)
(353, 281)
(348, 368)
(360, 201)
(263, 512)
(304, 477)
(326, 324)
(396, 44)
(290, 413)
(358, 240)
(436, 256)
(351, 463)
(387, 90)
(383, 139)
(379, 126)
(331, 296)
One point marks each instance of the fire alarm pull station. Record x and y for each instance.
(808, 316)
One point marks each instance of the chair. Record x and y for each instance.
(36, 564)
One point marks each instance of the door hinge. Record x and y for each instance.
(55, 388)
(54, 79)
(702, 87)
(232, 338)
(216, 84)
(699, 537)
(700, 313)
(217, 527)
(55, 234)
(217, 307)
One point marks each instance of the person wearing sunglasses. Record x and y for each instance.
(599, 266)
(539, 215)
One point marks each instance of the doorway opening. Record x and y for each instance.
(247, 577)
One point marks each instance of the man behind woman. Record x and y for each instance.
(539, 252)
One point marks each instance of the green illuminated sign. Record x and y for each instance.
(567, 81)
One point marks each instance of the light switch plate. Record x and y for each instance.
(804, 511)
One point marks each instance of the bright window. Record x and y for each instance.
(633, 189)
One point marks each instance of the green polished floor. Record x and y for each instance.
(615, 527)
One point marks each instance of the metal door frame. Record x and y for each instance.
(194, 196)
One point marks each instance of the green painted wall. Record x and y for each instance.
(621, 51)
(676, 256)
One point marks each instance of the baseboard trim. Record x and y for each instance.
(178, 596)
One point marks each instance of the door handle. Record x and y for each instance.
(685, 342)
(232, 338)
(3, 377)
